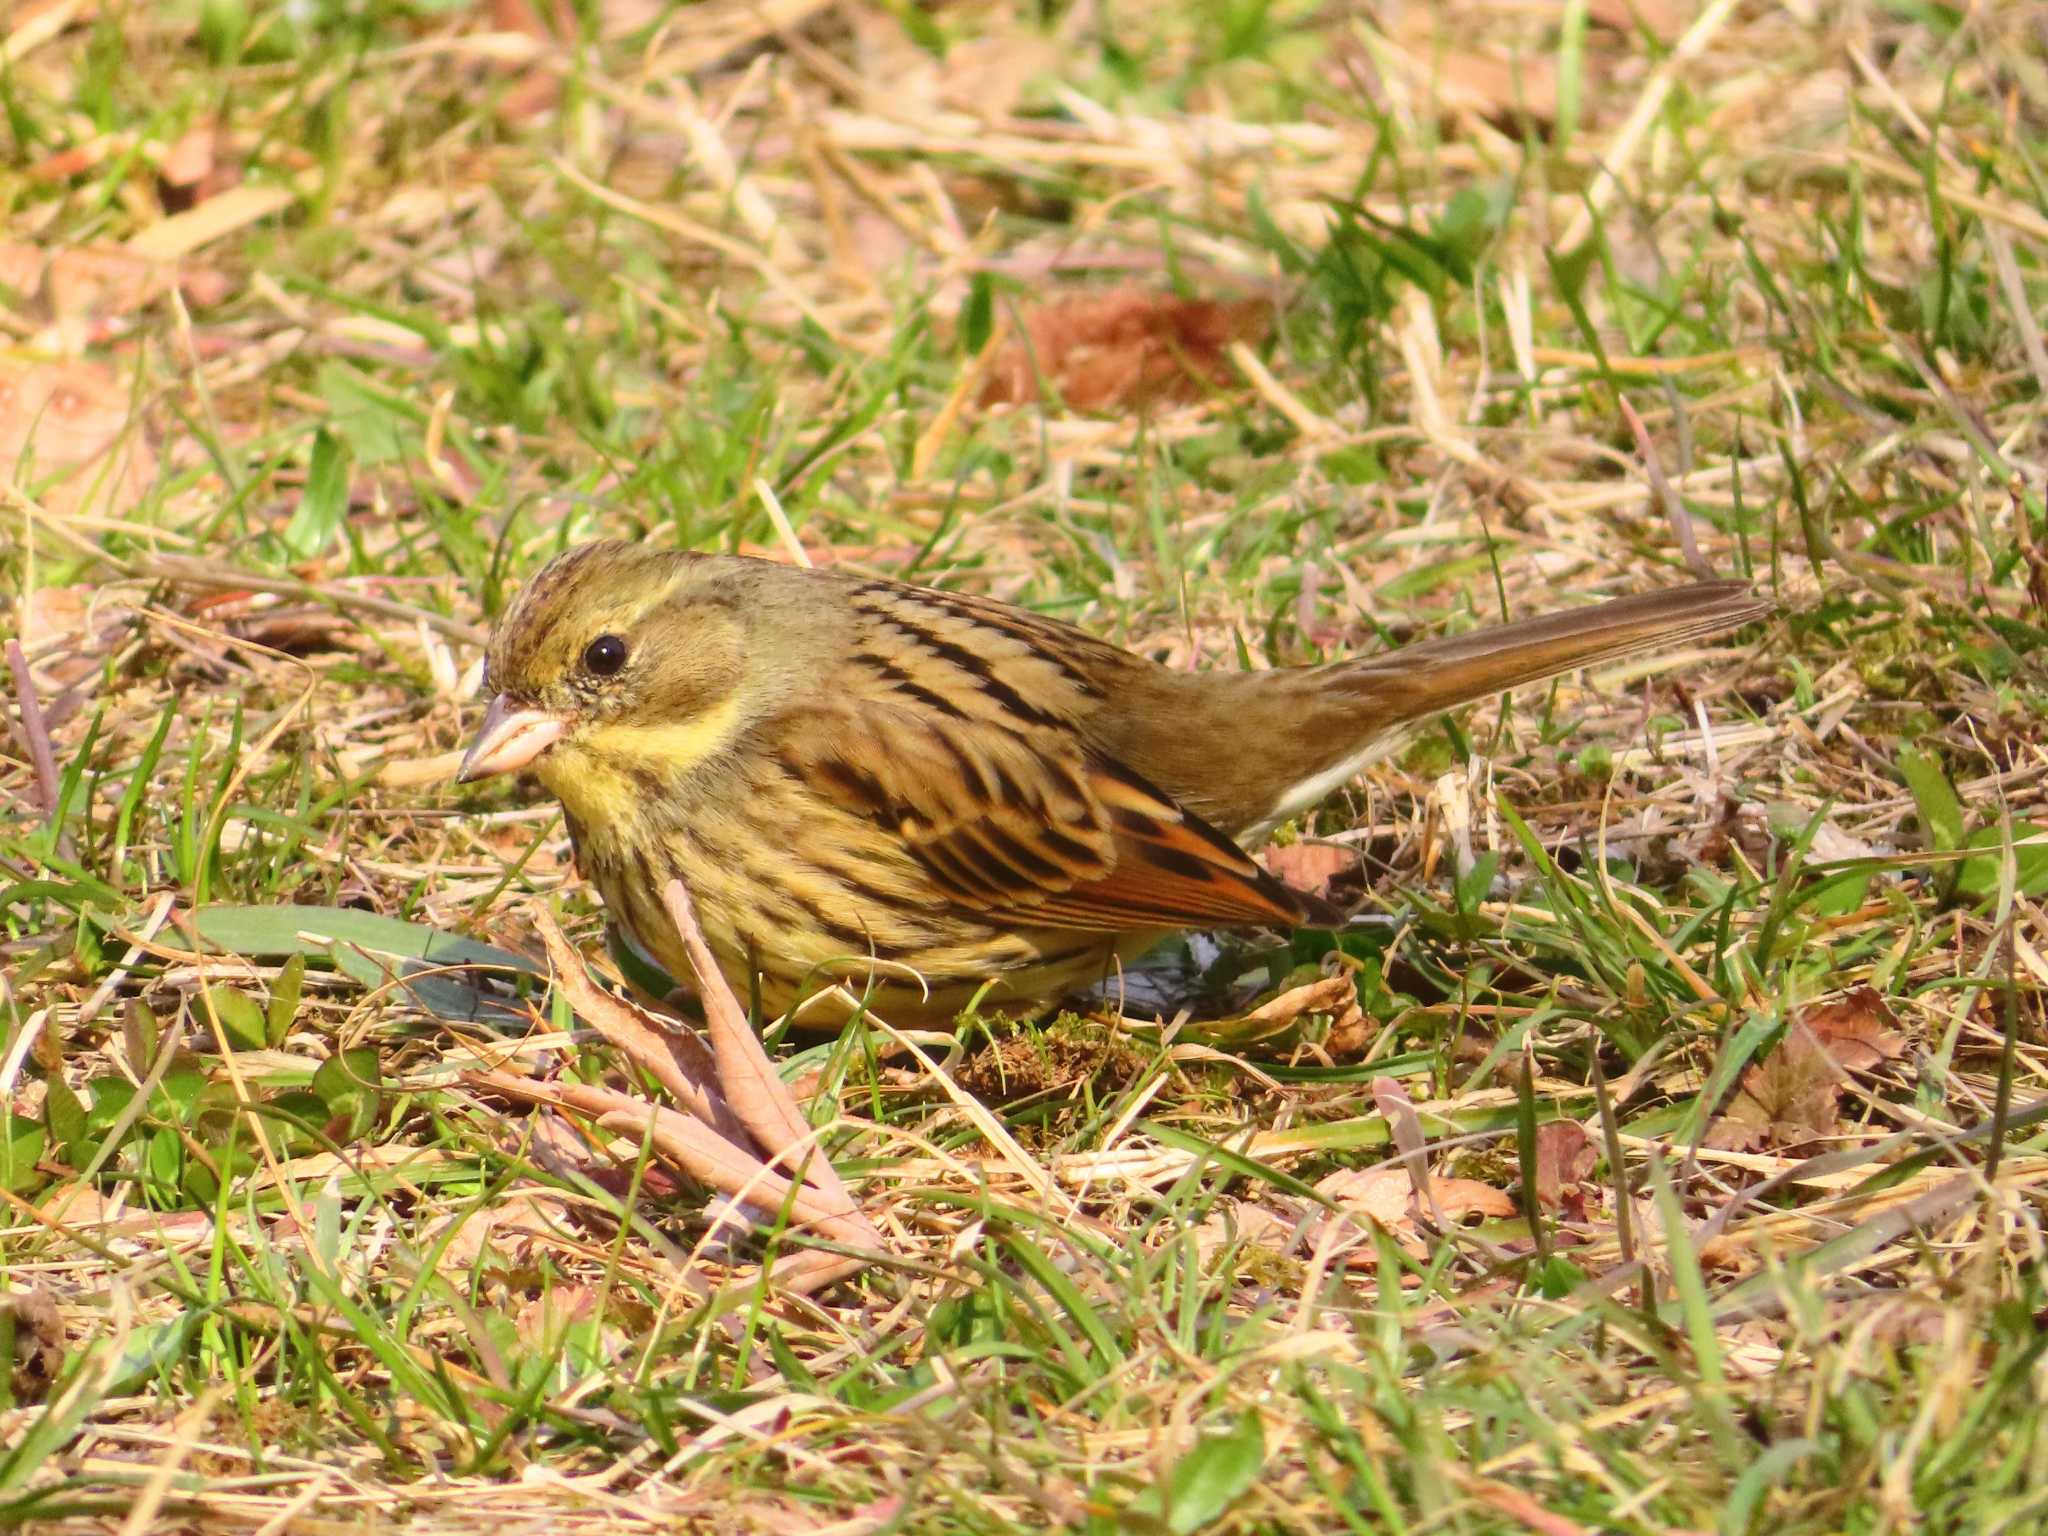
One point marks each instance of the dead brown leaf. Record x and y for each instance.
(1858, 1031)
(1460, 1198)
(1335, 995)
(1789, 1100)
(66, 424)
(987, 76)
(1243, 1222)
(1660, 20)
(1124, 350)
(1386, 1194)
(190, 160)
(1794, 1098)
(68, 632)
(1565, 1155)
(79, 294)
(1310, 867)
(1510, 91)
(507, 1237)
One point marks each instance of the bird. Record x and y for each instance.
(937, 800)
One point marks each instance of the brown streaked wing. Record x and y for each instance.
(1024, 826)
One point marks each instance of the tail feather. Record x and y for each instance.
(1419, 680)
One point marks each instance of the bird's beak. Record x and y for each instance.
(509, 739)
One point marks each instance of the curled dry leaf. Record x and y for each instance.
(1460, 1198)
(1310, 867)
(1565, 1155)
(1124, 350)
(189, 161)
(1858, 1031)
(65, 434)
(1386, 1194)
(1336, 996)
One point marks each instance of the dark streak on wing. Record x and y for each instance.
(1049, 639)
(910, 687)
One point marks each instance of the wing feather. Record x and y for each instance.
(1023, 824)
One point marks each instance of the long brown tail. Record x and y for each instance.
(1419, 680)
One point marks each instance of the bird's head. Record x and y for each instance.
(613, 657)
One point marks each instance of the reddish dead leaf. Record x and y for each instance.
(1519, 1507)
(79, 292)
(65, 425)
(190, 160)
(1857, 1032)
(1310, 866)
(548, 20)
(1460, 1198)
(1660, 20)
(1124, 350)
(1789, 1100)
(1565, 1155)
(542, 1321)
(192, 170)
(506, 1238)
(74, 161)
(1384, 1194)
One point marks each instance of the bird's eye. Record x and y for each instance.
(605, 655)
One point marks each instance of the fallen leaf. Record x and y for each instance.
(189, 161)
(1459, 1198)
(1510, 91)
(1124, 349)
(1789, 1100)
(77, 293)
(1385, 1194)
(67, 634)
(1310, 867)
(1243, 1223)
(65, 424)
(541, 1323)
(987, 76)
(1335, 995)
(505, 1237)
(1857, 1031)
(1565, 1155)
(1662, 21)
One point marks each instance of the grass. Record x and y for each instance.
(371, 308)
